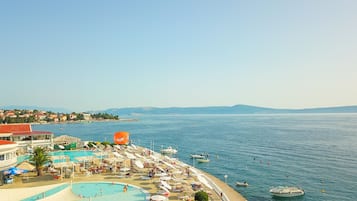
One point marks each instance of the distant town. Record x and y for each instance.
(38, 116)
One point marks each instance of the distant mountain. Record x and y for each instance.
(23, 107)
(237, 109)
(341, 109)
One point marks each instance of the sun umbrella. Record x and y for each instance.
(26, 166)
(165, 178)
(129, 155)
(66, 139)
(139, 164)
(165, 192)
(117, 155)
(166, 185)
(125, 169)
(14, 171)
(158, 198)
(165, 189)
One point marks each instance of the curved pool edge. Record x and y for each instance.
(147, 194)
(43, 195)
(65, 192)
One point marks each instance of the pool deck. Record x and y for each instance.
(29, 184)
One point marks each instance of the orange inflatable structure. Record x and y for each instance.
(121, 137)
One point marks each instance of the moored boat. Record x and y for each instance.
(168, 150)
(202, 160)
(286, 191)
(244, 184)
(196, 156)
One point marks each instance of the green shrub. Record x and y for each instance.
(201, 196)
(105, 143)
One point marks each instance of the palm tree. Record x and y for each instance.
(39, 158)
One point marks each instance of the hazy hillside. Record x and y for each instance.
(237, 109)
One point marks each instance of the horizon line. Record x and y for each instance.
(29, 107)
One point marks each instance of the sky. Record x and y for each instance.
(92, 55)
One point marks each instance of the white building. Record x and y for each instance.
(8, 157)
(25, 138)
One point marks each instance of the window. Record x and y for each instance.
(2, 157)
(7, 156)
(5, 138)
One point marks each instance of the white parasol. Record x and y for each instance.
(26, 166)
(139, 164)
(125, 169)
(66, 139)
(116, 154)
(129, 155)
(158, 198)
(165, 184)
(165, 178)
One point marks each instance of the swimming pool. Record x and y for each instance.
(100, 191)
(22, 158)
(71, 154)
(97, 191)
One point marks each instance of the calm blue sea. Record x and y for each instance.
(317, 152)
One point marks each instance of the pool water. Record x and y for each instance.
(108, 191)
(22, 158)
(71, 154)
(97, 191)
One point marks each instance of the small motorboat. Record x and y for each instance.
(243, 184)
(196, 156)
(168, 150)
(202, 160)
(286, 191)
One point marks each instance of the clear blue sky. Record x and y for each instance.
(85, 55)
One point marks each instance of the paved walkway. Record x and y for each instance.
(228, 192)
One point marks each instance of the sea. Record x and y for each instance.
(317, 152)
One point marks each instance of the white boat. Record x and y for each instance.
(168, 150)
(244, 184)
(202, 160)
(286, 191)
(196, 156)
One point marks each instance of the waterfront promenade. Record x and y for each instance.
(228, 193)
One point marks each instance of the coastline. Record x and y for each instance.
(211, 183)
(22, 191)
(86, 121)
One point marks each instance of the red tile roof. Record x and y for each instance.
(5, 142)
(15, 128)
(21, 129)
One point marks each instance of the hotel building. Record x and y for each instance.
(8, 157)
(25, 138)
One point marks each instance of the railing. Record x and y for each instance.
(216, 188)
(34, 142)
